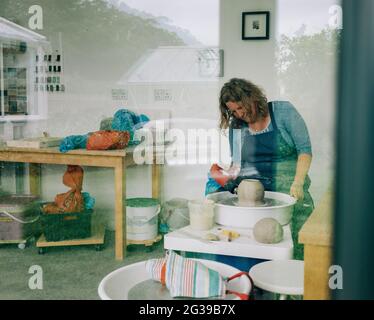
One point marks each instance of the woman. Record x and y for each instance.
(269, 141)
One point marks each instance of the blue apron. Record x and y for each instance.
(275, 162)
(270, 155)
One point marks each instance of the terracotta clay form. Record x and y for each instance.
(251, 193)
(268, 230)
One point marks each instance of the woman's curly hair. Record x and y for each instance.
(244, 92)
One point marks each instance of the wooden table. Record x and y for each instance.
(116, 159)
(317, 237)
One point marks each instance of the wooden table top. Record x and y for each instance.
(318, 228)
(55, 150)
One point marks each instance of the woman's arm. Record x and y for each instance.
(302, 167)
(296, 131)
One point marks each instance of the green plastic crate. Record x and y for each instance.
(66, 226)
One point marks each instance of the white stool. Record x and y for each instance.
(285, 277)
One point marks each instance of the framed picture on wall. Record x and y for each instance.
(256, 25)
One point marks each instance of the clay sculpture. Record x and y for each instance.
(268, 230)
(251, 193)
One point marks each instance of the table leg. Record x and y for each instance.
(156, 181)
(19, 175)
(317, 261)
(34, 178)
(120, 209)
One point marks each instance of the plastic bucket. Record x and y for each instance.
(201, 214)
(142, 218)
(175, 214)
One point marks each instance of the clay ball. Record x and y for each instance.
(268, 230)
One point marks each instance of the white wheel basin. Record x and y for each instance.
(247, 217)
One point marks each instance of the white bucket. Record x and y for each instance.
(142, 218)
(175, 214)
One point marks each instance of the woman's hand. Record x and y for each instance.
(222, 176)
(297, 190)
(302, 167)
(233, 172)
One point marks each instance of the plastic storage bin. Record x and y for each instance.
(66, 226)
(19, 217)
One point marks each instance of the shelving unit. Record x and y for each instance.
(97, 240)
(22, 243)
(147, 243)
(18, 48)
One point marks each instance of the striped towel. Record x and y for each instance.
(156, 269)
(186, 277)
(189, 278)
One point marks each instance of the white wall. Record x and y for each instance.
(250, 59)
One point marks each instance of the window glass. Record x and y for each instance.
(308, 34)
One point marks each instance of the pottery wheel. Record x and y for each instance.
(234, 201)
(153, 290)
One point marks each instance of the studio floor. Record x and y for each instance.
(69, 273)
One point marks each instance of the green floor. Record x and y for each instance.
(68, 272)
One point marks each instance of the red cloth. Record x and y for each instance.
(108, 139)
(218, 176)
(71, 201)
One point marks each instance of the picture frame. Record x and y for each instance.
(256, 25)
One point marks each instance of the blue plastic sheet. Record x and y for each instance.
(163, 228)
(126, 120)
(212, 186)
(123, 120)
(89, 202)
(73, 142)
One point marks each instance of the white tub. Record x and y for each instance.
(117, 284)
(247, 217)
(142, 222)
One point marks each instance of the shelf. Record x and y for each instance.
(97, 237)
